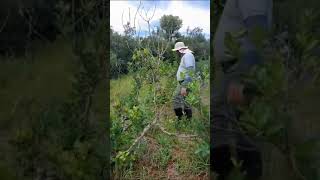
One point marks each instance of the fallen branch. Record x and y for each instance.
(126, 127)
(175, 134)
(145, 130)
(150, 125)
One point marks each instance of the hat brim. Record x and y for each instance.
(186, 47)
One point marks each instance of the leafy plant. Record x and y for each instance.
(267, 117)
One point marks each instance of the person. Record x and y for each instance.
(230, 91)
(187, 65)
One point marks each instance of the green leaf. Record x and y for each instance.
(274, 130)
(312, 45)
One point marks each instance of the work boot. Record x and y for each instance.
(179, 113)
(188, 113)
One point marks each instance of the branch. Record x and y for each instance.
(175, 134)
(134, 25)
(145, 130)
(122, 20)
(154, 11)
(295, 167)
(142, 17)
(138, 36)
(5, 22)
(146, 18)
(135, 16)
(126, 127)
(31, 27)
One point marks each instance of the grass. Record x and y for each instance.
(44, 78)
(120, 87)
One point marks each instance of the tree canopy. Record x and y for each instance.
(170, 24)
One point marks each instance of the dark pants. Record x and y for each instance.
(222, 164)
(180, 106)
(226, 135)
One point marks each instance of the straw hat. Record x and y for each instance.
(178, 46)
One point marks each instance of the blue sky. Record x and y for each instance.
(204, 4)
(193, 13)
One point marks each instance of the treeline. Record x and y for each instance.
(122, 46)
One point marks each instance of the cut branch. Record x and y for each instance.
(145, 130)
(175, 134)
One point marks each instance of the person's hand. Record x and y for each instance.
(183, 91)
(235, 93)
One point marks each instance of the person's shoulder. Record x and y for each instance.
(189, 55)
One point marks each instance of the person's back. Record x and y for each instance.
(233, 19)
(238, 15)
(187, 60)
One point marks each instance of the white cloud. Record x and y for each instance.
(191, 16)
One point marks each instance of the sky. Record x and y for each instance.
(193, 13)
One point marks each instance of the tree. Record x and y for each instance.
(122, 46)
(170, 25)
(196, 33)
(128, 30)
(197, 42)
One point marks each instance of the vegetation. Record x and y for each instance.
(123, 46)
(147, 140)
(53, 122)
(277, 117)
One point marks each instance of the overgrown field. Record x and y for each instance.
(42, 134)
(169, 149)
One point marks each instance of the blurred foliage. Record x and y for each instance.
(290, 56)
(25, 21)
(57, 127)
